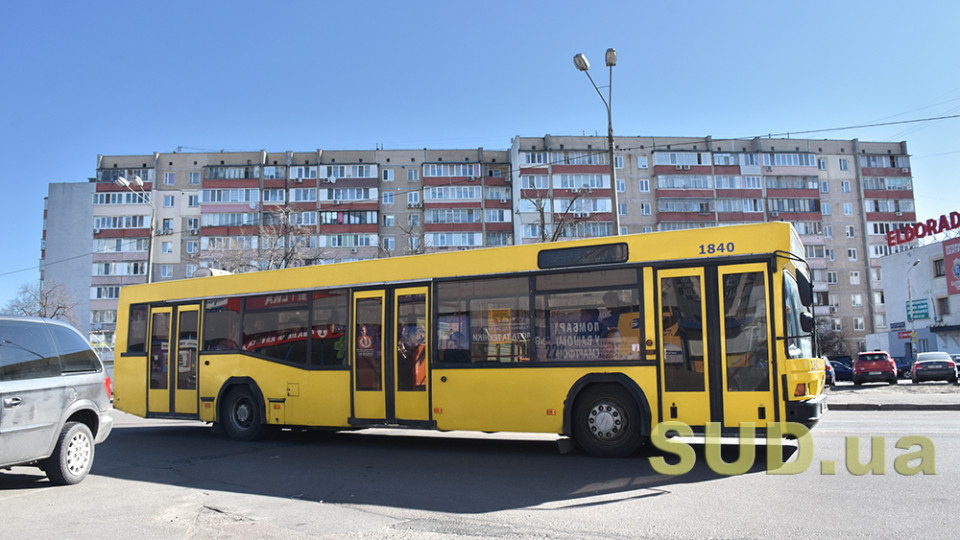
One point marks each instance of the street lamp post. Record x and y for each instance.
(137, 182)
(913, 332)
(580, 61)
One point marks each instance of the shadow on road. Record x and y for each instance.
(437, 473)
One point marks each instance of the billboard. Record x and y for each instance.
(951, 264)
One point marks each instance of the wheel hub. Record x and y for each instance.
(606, 421)
(243, 413)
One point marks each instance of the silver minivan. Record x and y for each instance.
(55, 397)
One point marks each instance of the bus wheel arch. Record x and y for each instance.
(241, 409)
(607, 414)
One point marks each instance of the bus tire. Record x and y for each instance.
(241, 415)
(607, 421)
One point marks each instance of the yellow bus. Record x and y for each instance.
(597, 339)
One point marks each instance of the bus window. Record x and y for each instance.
(491, 317)
(137, 330)
(221, 324)
(745, 331)
(275, 326)
(368, 334)
(587, 316)
(328, 345)
(412, 342)
(682, 334)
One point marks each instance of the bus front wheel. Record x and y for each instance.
(241, 415)
(607, 421)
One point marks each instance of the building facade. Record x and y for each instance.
(245, 211)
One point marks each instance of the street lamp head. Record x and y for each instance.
(122, 182)
(916, 262)
(137, 181)
(611, 57)
(581, 62)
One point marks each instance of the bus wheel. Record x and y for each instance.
(241, 415)
(607, 421)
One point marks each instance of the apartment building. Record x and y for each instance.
(246, 211)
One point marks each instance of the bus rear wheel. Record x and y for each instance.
(241, 415)
(607, 421)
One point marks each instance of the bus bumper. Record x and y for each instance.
(807, 412)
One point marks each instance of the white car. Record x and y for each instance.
(55, 397)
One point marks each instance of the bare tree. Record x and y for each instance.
(542, 203)
(829, 341)
(48, 299)
(281, 243)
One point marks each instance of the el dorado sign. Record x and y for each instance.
(924, 228)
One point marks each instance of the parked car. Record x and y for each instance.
(55, 395)
(842, 368)
(874, 366)
(904, 365)
(934, 366)
(830, 379)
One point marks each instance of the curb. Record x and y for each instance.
(893, 406)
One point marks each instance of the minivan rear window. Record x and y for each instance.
(75, 353)
(872, 357)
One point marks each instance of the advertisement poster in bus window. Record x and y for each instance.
(500, 326)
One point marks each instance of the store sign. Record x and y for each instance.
(951, 263)
(904, 334)
(921, 310)
(921, 229)
(898, 325)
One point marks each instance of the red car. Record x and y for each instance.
(874, 366)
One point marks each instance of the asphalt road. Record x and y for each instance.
(167, 479)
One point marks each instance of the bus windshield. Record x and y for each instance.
(798, 345)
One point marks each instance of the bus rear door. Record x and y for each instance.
(172, 387)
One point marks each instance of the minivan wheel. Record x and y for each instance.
(72, 458)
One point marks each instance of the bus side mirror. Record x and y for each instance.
(806, 289)
(807, 323)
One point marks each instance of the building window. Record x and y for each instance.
(413, 220)
(388, 220)
(166, 247)
(837, 325)
(192, 246)
(854, 277)
(167, 225)
(848, 209)
(193, 201)
(822, 165)
(388, 175)
(830, 255)
(169, 178)
(194, 179)
(939, 270)
(645, 209)
(824, 186)
(856, 300)
(193, 223)
(828, 231)
(623, 231)
(621, 185)
(623, 209)
(413, 197)
(943, 306)
(165, 271)
(880, 320)
(852, 254)
(858, 324)
(388, 198)
(389, 243)
(413, 175)
(642, 162)
(843, 164)
(878, 298)
(845, 186)
(168, 201)
(876, 274)
(647, 229)
(832, 277)
(191, 269)
(618, 161)
(825, 208)
(645, 185)
(851, 231)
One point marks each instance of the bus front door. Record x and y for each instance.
(390, 357)
(172, 347)
(714, 350)
(684, 358)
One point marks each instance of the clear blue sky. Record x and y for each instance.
(82, 78)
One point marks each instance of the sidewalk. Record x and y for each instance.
(905, 396)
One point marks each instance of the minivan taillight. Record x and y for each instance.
(108, 385)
